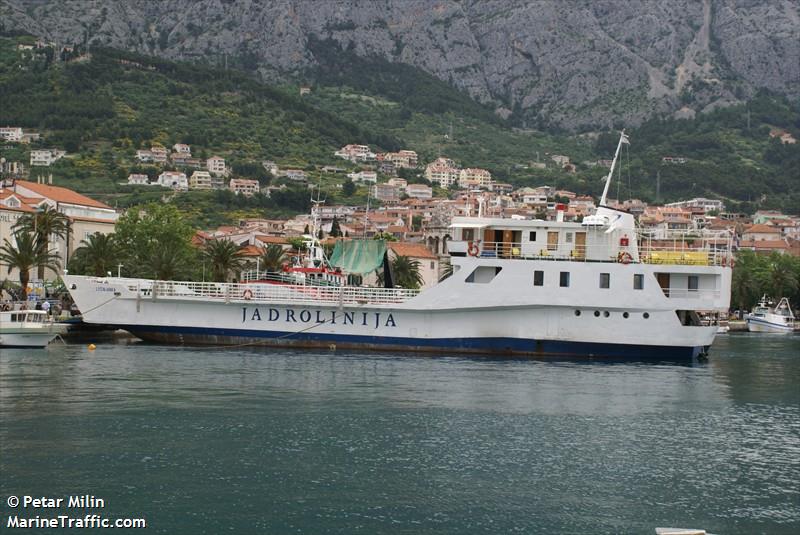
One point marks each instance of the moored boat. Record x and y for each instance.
(28, 328)
(766, 318)
(599, 288)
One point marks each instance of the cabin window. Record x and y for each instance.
(532, 236)
(605, 280)
(552, 241)
(568, 237)
(538, 278)
(483, 274)
(563, 279)
(692, 283)
(468, 234)
(638, 281)
(432, 265)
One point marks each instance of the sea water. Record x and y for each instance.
(247, 440)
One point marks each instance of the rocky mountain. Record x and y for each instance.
(577, 64)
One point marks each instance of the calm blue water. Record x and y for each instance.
(266, 441)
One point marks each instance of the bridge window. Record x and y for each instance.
(692, 283)
(483, 274)
(538, 278)
(563, 280)
(532, 236)
(638, 281)
(605, 280)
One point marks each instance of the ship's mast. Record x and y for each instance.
(622, 139)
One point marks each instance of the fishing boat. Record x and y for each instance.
(766, 318)
(599, 288)
(28, 328)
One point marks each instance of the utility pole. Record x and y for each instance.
(658, 185)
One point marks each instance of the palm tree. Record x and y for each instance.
(224, 257)
(43, 223)
(165, 263)
(98, 253)
(272, 257)
(406, 272)
(26, 255)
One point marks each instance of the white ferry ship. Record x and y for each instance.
(527, 287)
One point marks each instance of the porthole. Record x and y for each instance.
(625, 315)
(606, 314)
(596, 313)
(577, 312)
(646, 315)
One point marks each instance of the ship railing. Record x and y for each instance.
(666, 247)
(686, 247)
(688, 293)
(278, 293)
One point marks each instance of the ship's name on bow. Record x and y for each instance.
(332, 317)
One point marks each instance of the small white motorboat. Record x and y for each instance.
(771, 319)
(28, 328)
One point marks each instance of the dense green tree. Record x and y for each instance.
(224, 258)
(25, 254)
(348, 188)
(154, 240)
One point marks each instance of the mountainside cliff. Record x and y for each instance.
(576, 64)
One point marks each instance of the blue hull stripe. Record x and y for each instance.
(496, 345)
(766, 323)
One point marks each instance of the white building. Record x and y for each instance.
(364, 176)
(244, 186)
(137, 179)
(144, 156)
(174, 180)
(295, 175)
(701, 203)
(442, 171)
(11, 133)
(385, 192)
(355, 153)
(201, 180)
(216, 165)
(182, 148)
(402, 159)
(159, 154)
(46, 157)
(474, 178)
(419, 191)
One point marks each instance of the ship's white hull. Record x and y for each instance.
(485, 321)
(27, 338)
(761, 325)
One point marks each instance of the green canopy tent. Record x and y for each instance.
(359, 257)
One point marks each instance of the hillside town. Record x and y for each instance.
(415, 222)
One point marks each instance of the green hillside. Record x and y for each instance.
(101, 110)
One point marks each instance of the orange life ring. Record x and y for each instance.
(473, 250)
(624, 257)
(247, 294)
